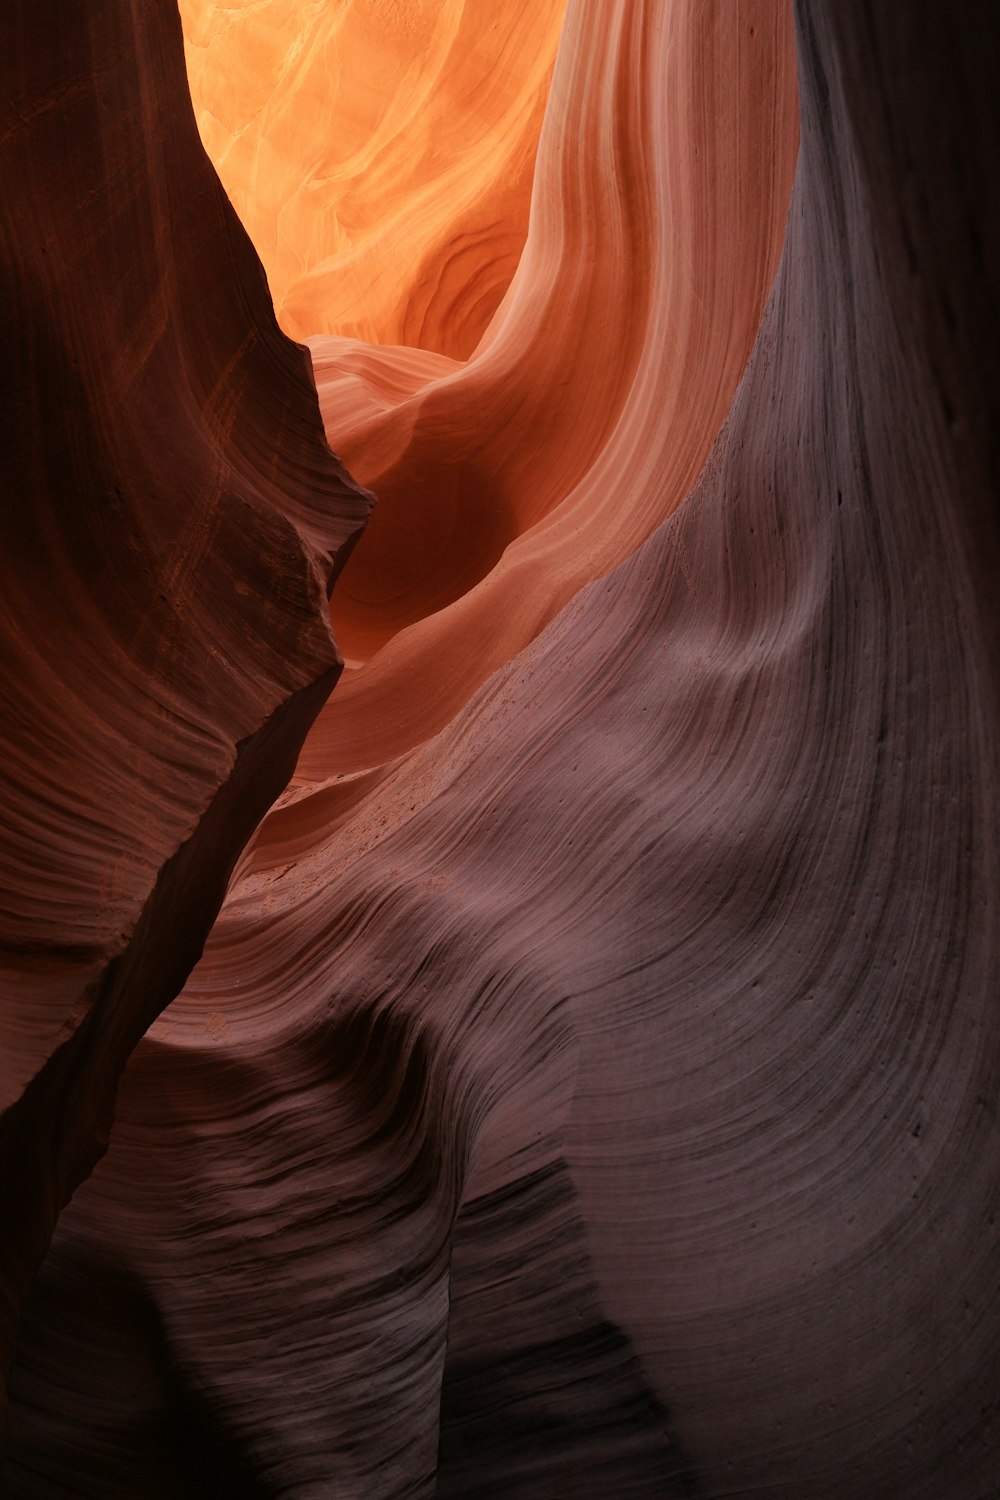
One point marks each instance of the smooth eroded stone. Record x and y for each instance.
(595, 1093)
(172, 520)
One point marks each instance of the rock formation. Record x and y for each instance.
(379, 154)
(172, 522)
(590, 1083)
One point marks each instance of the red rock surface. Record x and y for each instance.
(599, 1097)
(171, 523)
(587, 411)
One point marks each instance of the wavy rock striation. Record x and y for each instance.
(583, 418)
(380, 154)
(605, 1100)
(173, 522)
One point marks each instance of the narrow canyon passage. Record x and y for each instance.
(508, 480)
(551, 1056)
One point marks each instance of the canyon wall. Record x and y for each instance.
(590, 1082)
(379, 154)
(172, 522)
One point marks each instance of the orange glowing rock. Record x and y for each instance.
(583, 418)
(507, 480)
(379, 154)
(589, 1085)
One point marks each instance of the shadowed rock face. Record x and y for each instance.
(172, 520)
(604, 1100)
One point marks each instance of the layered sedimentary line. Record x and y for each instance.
(173, 521)
(507, 482)
(654, 992)
(380, 155)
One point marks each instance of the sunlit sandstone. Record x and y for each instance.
(588, 1087)
(379, 152)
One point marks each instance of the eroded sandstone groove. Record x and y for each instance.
(172, 523)
(594, 1092)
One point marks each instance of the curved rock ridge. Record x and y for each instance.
(172, 522)
(607, 1102)
(508, 482)
(379, 154)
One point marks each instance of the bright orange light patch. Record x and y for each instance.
(379, 152)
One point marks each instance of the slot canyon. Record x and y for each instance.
(501, 741)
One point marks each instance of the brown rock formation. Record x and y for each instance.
(582, 420)
(171, 523)
(604, 1102)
